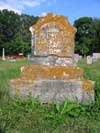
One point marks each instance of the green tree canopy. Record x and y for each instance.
(15, 36)
(87, 38)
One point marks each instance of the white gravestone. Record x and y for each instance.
(96, 56)
(3, 54)
(89, 60)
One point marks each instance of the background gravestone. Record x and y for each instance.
(89, 59)
(52, 75)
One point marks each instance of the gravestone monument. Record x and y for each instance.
(3, 54)
(96, 56)
(52, 75)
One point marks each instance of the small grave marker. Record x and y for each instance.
(3, 54)
(89, 59)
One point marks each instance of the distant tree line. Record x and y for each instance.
(15, 36)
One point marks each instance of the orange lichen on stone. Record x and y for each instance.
(54, 76)
(62, 20)
(51, 72)
(88, 85)
(60, 43)
(21, 81)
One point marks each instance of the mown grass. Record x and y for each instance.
(29, 115)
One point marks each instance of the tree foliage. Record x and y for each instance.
(87, 39)
(15, 36)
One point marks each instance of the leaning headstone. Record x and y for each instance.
(3, 54)
(89, 59)
(52, 75)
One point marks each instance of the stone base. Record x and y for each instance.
(52, 60)
(53, 90)
(35, 72)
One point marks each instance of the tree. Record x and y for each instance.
(9, 26)
(86, 39)
(96, 35)
(15, 36)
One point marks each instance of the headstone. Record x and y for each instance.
(28, 56)
(76, 57)
(96, 56)
(3, 54)
(52, 75)
(89, 59)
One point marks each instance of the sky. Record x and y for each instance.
(73, 9)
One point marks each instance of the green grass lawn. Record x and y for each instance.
(30, 115)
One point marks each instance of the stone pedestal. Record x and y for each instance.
(53, 90)
(53, 84)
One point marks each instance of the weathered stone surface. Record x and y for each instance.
(51, 72)
(52, 60)
(52, 75)
(53, 34)
(50, 90)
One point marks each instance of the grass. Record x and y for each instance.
(20, 115)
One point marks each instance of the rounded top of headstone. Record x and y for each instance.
(53, 35)
(50, 17)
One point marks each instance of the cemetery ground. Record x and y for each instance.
(29, 115)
